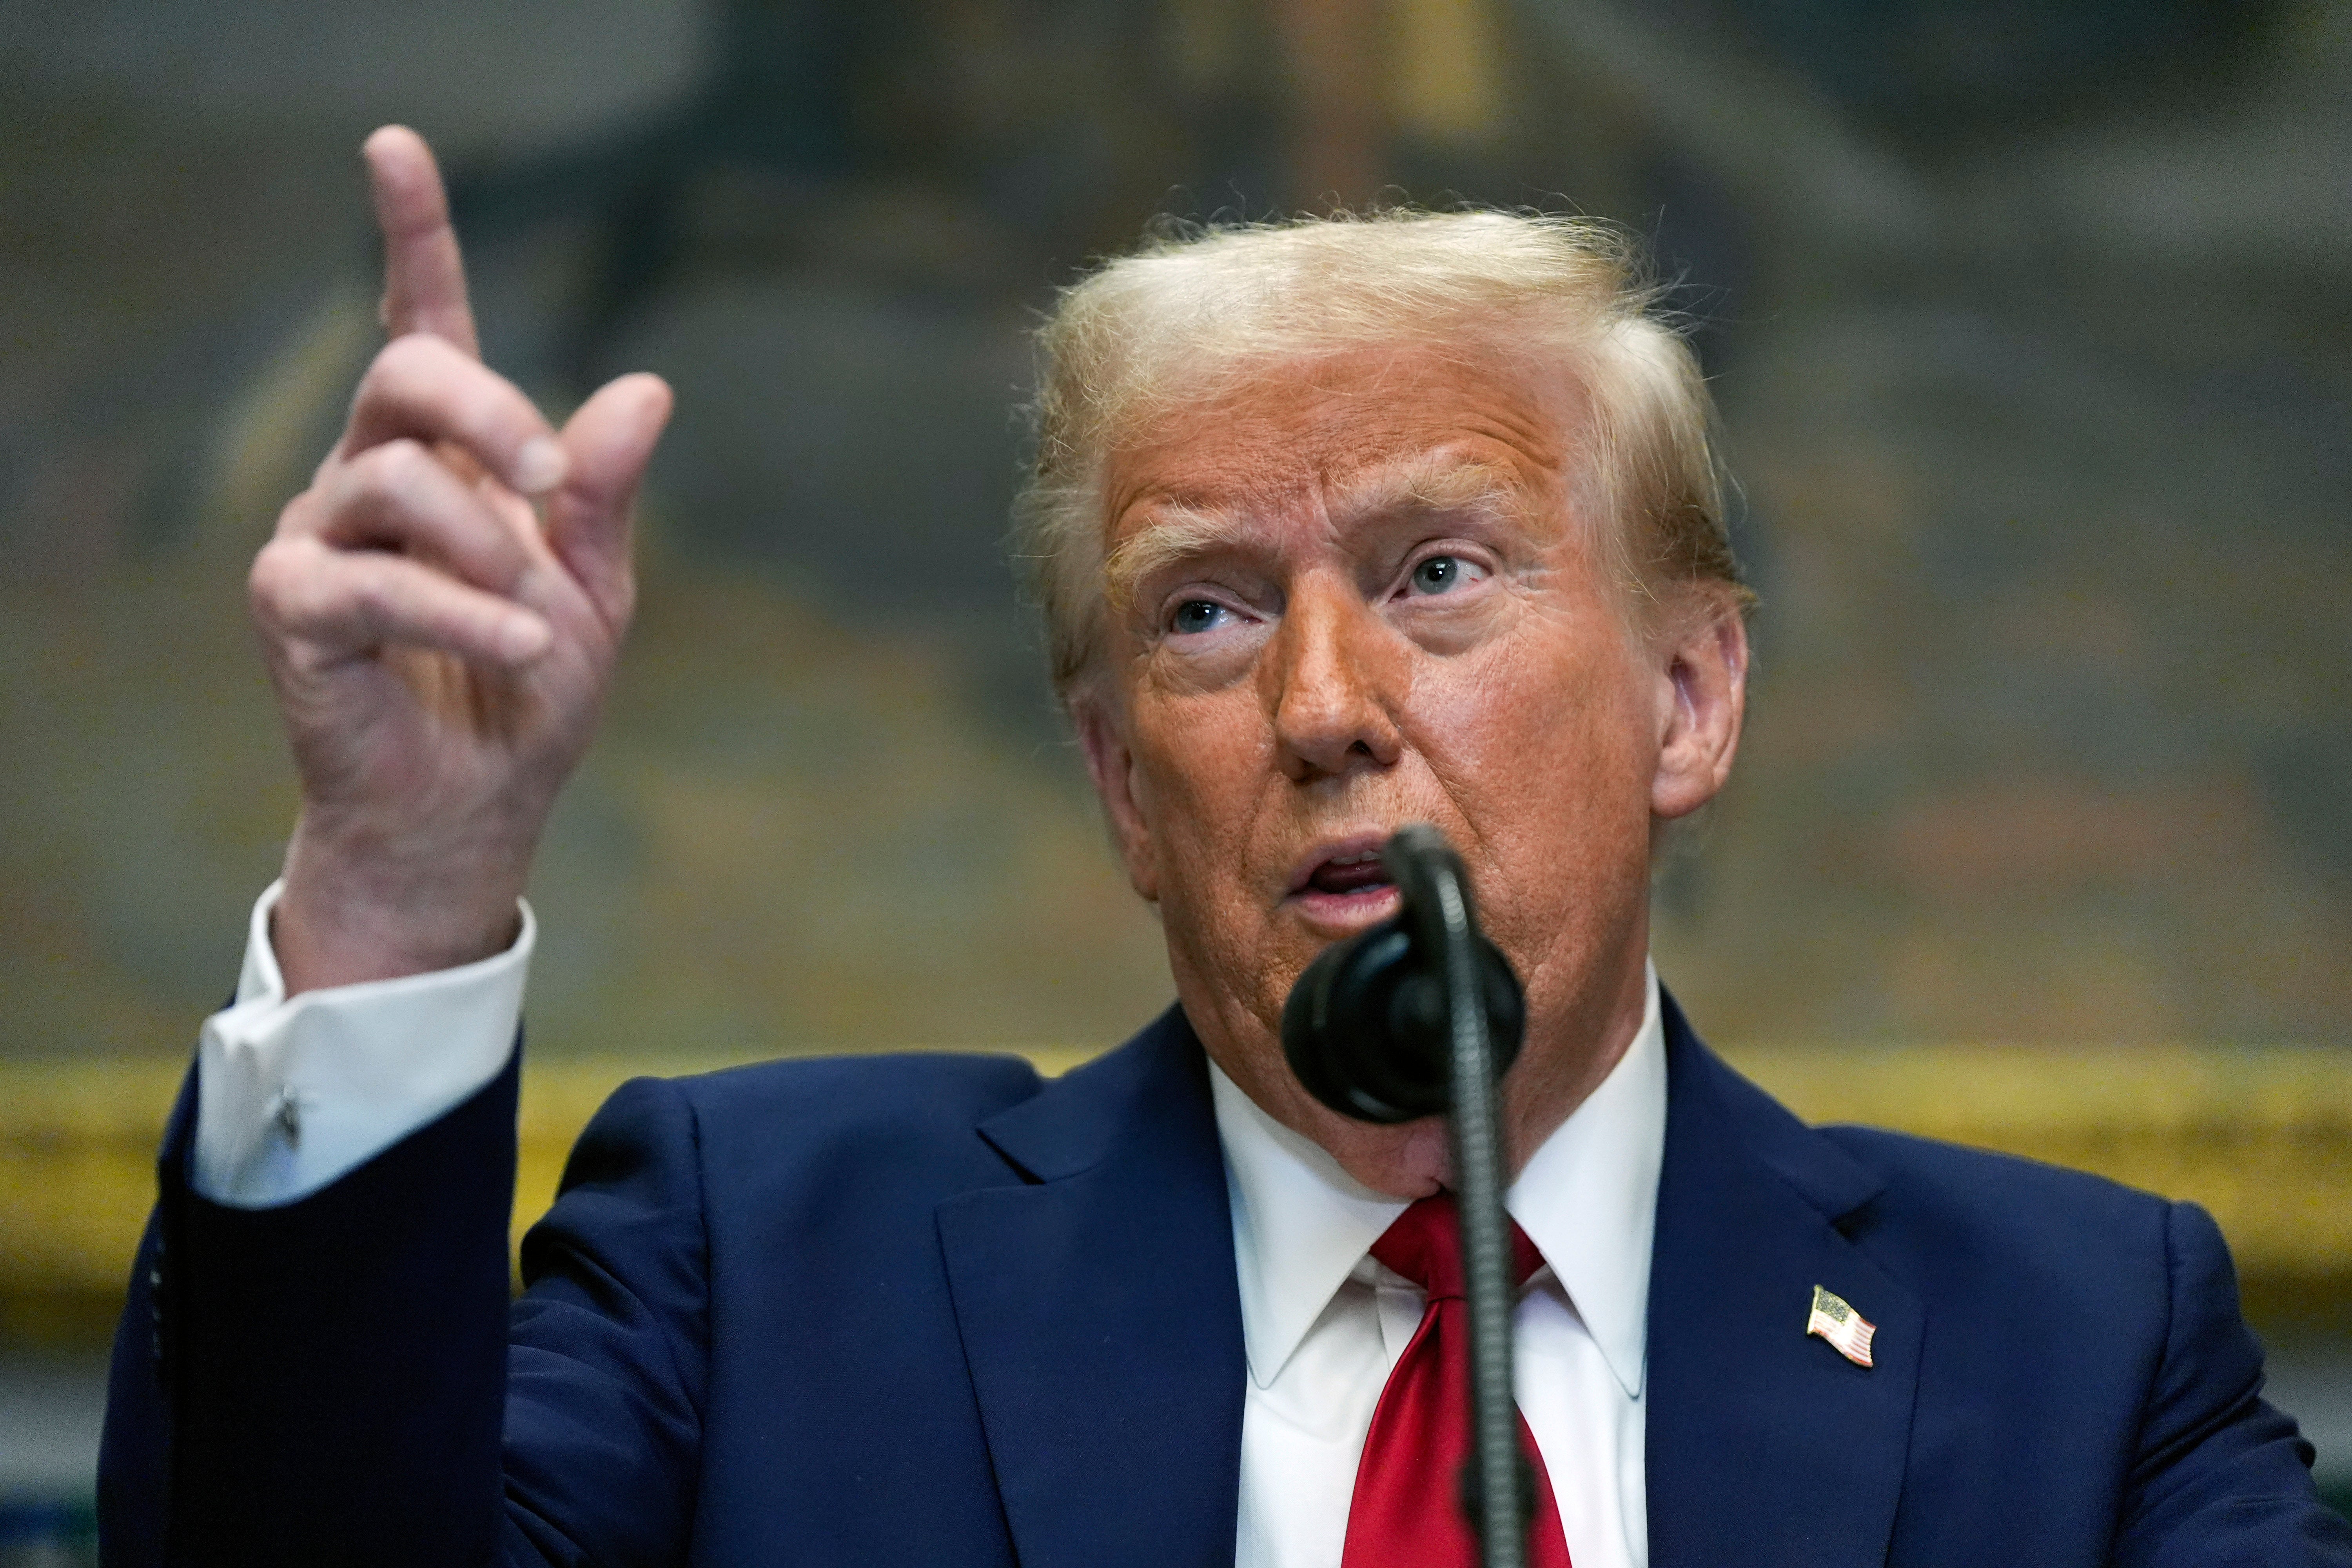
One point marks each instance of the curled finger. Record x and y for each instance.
(422, 388)
(345, 603)
(399, 497)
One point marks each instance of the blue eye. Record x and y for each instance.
(1196, 615)
(1441, 574)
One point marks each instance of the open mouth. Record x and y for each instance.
(1359, 873)
(1343, 885)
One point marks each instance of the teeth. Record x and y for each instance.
(1366, 858)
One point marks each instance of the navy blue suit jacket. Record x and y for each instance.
(933, 1311)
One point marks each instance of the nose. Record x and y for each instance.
(1332, 684)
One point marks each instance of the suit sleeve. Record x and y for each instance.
(336, 1380)
(2221, 1477)
(607, 1361)
(320, 1381)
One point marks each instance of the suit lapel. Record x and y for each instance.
(1100, 1317)
(1766, 1446)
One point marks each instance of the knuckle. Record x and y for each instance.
(409, 353)
(405, 372)
(392, 469)
(298, 516)
(384, 373)
(285, 586)
(265, 583)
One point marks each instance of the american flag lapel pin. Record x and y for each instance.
(1845, 1327)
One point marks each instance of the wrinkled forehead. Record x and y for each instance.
(1359, 431)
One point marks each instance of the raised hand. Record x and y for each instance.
(440, 612)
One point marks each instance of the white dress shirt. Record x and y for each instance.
(291, 1095)
(1323, 1322)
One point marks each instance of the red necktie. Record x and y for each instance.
(1406, 1512)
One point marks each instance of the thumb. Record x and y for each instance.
(609, 440)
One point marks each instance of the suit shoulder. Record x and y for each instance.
(915, 1114)
(1970, 1220)
(1928, 1168)
(902, 1093)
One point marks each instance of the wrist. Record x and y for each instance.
(351, 912)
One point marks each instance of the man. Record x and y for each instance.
(1337, 526)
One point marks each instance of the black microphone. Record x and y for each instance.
(1417, 1016)
(1367, 1027)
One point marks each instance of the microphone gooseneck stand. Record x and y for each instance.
(1417, 1016)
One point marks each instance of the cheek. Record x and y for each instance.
(1203, 763)
(1197, 758)
(1548, 753)
(1560, 721)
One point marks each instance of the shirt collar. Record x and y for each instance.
(1587, 1198)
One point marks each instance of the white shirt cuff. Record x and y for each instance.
(293, 1094)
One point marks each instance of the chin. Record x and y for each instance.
(1408, 1162)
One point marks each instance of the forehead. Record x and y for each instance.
(1333, 423)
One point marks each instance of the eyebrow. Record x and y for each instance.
(1433, 482)
(1177, 533)
(1428, 483)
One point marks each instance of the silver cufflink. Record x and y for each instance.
(287, 1112)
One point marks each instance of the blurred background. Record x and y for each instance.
(2030, 324)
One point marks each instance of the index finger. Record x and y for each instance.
(424, 280)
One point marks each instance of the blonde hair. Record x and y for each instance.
(1193, 313)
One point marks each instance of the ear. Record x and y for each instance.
(1111, 765)
(1703, 697)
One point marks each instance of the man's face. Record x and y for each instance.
(1355, 594)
